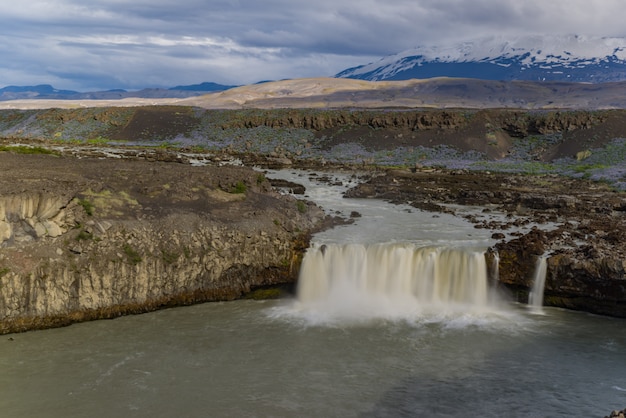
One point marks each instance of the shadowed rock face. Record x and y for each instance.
(86, 239)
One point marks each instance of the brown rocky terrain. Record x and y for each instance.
(95, 238)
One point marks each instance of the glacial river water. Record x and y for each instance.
(345, 346)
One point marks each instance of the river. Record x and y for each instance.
(340, 348)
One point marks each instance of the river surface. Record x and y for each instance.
(326, 358)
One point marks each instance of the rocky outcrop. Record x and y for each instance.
(516, 123)
(617, 414)
(523, 124)
(586, 277)
(31, 215)
(105, 239)
(320, 120)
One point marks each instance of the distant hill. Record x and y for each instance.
(333, 93)
(47, 92)
(203, 87)
(442, 92)
(32, 92)
(530, 58)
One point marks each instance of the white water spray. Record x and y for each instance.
(392, 280)
(535, 297)
(394, 261)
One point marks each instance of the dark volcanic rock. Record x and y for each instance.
(287, 185)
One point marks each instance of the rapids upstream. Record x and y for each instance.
(394, 317)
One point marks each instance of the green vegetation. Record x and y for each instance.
(4, 271)
(585, 168)
(83, 236)
(240, 187)
(24, 149)
(583, 155)
(302, 207)
(131, 254)
(87, 206)
(169, 257)
(264, 294)
(525, 167)
(107, 202)
(98, 141)
(168, 145)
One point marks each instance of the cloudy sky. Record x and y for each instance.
(131, 44)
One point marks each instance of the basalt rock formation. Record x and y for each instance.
(84, 238)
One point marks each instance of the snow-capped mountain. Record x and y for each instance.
(537, 58)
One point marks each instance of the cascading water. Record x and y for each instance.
(394, 261)
(535, 297)
(495, 267)
(392, 280)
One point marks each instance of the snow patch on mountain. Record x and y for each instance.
(568, 56)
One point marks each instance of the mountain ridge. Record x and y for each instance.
(334, 93)
(48, 92)
(569, 58)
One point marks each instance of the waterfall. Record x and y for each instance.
(495, 267)
(535, 297)
(392, 279)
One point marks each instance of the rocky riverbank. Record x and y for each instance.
(90, 238)
(585, 223)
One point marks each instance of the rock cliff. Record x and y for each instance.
(86, 239)
(584, 275)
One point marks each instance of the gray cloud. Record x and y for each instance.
(104, 44)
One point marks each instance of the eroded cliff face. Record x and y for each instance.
(27, 215)
(86, 239)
